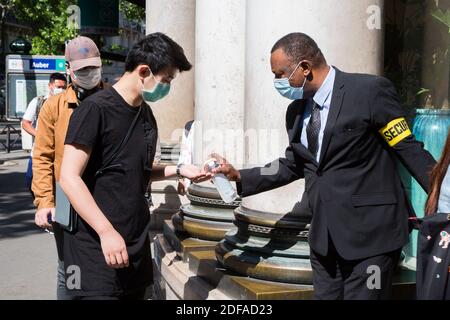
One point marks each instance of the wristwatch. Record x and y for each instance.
(179, 171)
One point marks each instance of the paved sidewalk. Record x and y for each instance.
(28, 258)
(27, 254)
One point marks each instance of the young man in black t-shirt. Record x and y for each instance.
(108, 256)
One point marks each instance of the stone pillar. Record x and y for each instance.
(218, 126)
(270, 242)
(176, 18)
(219, 79)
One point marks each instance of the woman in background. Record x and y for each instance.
(439, 197)
(433, 257)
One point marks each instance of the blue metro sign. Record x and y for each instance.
(42, 64)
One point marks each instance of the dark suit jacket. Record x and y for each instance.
(354, 191)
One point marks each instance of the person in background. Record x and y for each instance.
(84, 66)
(439, 197)
(433, 256)
(186, 154)
(56, 85)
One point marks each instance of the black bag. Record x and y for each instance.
(433, 257)
(65, 215)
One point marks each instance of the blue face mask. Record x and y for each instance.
(159, 91)
(286, 90)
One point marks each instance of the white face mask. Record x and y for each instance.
(56, 91)
(87, 78)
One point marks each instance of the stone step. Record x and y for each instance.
(204, 265)
(182, 243)
(174, 281)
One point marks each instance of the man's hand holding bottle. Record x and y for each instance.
(224, 168)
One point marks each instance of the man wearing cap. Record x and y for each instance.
(84, 64)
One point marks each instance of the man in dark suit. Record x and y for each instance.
(345, 133)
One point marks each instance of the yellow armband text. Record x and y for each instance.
(395, 131)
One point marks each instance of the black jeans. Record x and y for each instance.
(335, 278)
(61, 290)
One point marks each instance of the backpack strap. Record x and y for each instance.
(107, 164)
(39, 104)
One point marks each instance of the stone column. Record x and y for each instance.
(175, 18)
(219, 111)
(219, 79)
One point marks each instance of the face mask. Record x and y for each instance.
(87, 78)
(159, 91)
(286, 90)
(56, 91)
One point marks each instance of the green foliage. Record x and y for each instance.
(443, 17)
(403, 48)
(440, 58)
(116, 48)
(131, 11)
(419, 72)
(48, 18)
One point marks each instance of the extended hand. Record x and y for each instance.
(225, 168)
(194, 174)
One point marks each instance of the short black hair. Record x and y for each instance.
(299, 46)
(57, 76)
(159, 52)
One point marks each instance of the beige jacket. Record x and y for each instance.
(48, 150)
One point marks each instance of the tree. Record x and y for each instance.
(5, 7)
(131, 11)
(48, 18)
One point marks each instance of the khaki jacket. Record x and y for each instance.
(48, 150)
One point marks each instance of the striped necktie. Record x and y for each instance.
(313, 129)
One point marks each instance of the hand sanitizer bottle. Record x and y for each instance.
(223, 185)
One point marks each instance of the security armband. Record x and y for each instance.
(395, 131)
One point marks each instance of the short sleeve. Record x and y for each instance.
(30, 113)
(84, 125)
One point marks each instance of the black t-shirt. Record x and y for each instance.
(101, 123)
